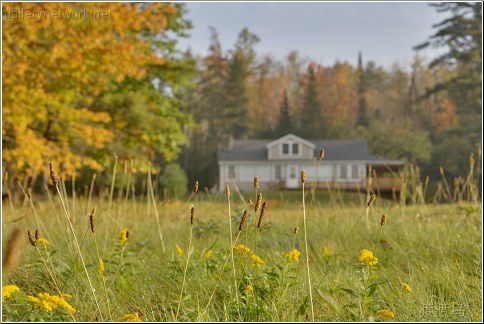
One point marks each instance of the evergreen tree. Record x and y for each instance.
(284, 123)
(312, 124)
(362, 116)
(236, 99)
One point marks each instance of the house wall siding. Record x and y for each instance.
(275, 153)
(329, 172)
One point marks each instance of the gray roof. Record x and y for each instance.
(335, 150)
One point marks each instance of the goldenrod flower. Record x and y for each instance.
(100, 266)
(242, 248)
(366, 256)
(47, 302)
(325, 250)
(248, 289)
(130, 318)
(8, 290)
(124, 237)
(386, 313)
(293, 255)
(43, 241)
(208, 254)
(406, 287)
(179, 250)
(256, 260)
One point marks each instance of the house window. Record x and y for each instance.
(354, 171)
(343, 172)
(285, 149)
(278, 172)
(231, 171)
(295, 149)
(292, 172)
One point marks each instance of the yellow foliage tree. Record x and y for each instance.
(57, 59)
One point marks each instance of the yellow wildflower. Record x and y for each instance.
(8, 290)
(100, 266)
(366, 256)
(124, 237)
(325, 250)
(47, 302)
(43, 241)
(407, 288)
(179, 250)
(293, 255)
(208, 254)
(256, 260)
(248, 289)
(386, 313)
(130, 318)
(242, 248)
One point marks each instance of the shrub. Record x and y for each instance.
(174, 180)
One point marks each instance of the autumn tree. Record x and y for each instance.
(65, 79)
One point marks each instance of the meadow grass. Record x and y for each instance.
(435, 249)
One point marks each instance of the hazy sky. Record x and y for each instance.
(324, 32)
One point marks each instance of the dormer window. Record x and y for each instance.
(291, 148)
(285, 148)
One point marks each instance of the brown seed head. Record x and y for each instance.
(371, 200)
(471, 160)
(321, 154)
(441, 169)
(92, 220)
(383, 219)
(127, 234)
(296, 230)
(258, 202)
(32, 239)
(303, 176)
(37, 234)
(192, 215)
(243, 220)
(205, 189)
(53, 175)
(262, 214)
(256, 182)
(195, 187)
(227, 190)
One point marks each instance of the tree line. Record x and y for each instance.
(80, 93)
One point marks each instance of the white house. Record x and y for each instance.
(277, 164)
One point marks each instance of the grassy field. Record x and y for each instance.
(429, 260)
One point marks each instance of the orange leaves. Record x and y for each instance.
(445, 117)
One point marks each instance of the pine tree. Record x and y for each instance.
(362, 116)
(312, 123)
(236, 99)
(284, 123)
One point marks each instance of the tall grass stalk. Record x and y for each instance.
(185, 272)
(152, 195)
(220, 275)
(303, 181)
(243, 222)
(78, 247)
(51, 275)
(227, 192)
